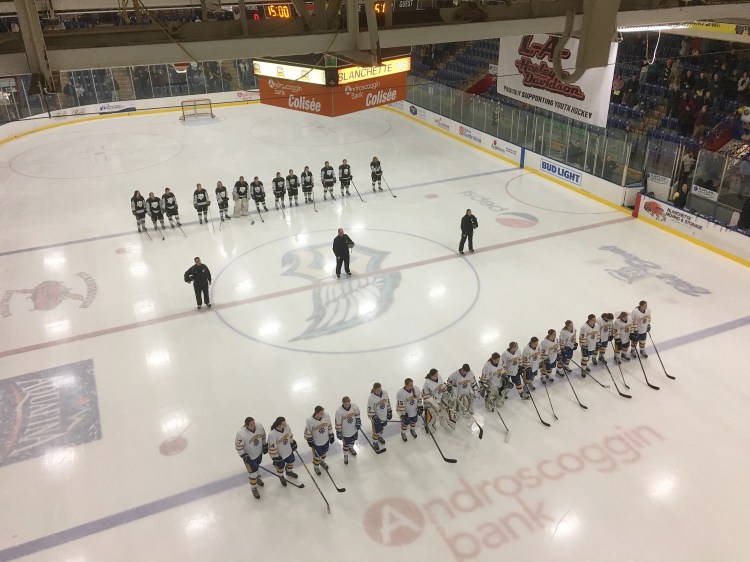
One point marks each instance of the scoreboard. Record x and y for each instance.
(286, 10)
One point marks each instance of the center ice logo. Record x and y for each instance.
(506, 217)
(348, 304)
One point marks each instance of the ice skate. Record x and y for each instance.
(644, 354)
(352, 451)
(291, 474)
(324, 465)
(594, 361)
(260, 481)
(256, 494)
(317, 470)
(403, 437)
(283, 481)
(381, 441)
(625, 357)
(346, 459)
(413, 433)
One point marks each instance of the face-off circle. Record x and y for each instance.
(285, 292)
(315, 131)
(94, 156)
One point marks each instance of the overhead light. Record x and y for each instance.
(663, 27)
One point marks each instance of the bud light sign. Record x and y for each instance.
(557, 170)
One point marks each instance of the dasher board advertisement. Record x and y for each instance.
(525, 73)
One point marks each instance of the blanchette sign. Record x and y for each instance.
(332, 101)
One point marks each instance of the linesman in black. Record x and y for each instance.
(468, 224)
(200, 276)
(341, 246)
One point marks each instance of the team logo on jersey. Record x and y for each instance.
(343, 306)
(48, 295)
(46, 412)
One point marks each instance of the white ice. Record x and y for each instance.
(661, 476)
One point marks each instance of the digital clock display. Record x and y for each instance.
(279, 11)
(379, 8)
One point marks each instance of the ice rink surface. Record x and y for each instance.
(119, 401)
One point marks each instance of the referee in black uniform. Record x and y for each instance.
(200, 276)
(341, 246)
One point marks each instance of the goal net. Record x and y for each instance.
(196, 108)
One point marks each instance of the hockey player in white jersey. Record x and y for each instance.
(550, 349)
(622, 327)
(251, 445)
(641, 318)
(379, 411)
(408, 406)
(345, 177)
(495, 381)
(319, 436)
(511, 360)
(531, 358)
(281, 447)
(588, 337)
(465, 384)
(606, 334)
(568, 344)
(438, 403)
(376, 172)
(348, 424)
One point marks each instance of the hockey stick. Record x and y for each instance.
(283, 214)
(210, 216)
(615, 383)
(312, 196)
(638, 356)
(481, 430)
(146, 231)
(590, 375)
(339, 490)
(257, 209)
(446, 459)
(533, 402)
(183, 232)
(279, 477)
(574, 391)
(328, 505)
(659, 356)
(550, 400)
(622, 375)
(157, 229)
(357, 190)
(507, 437)
(388, 186)
(377, 451)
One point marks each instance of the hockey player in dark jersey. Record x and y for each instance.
(240, 195)
(138, 208)
(292, 187)
(308, 182)
(153, 204)
(278, 185)
(201, 203)
(345, 177)
(222, 200)
(328, 177)
(169, 202)
(258, 193)
(376, 172)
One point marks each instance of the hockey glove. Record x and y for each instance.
(611, 338)
(404, 420)
(634, 336)
(575, 346)
(648, 329)
(294, 445)
(331, 439)
(420, 410)
(265, 449)
(389, 415)
(276, 460)
(311, 443)
(246, 458)
(195, 207)
(339, 436)
(358, 424)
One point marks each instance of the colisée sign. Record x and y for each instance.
(332, 100)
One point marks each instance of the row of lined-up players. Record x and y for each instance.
(157, 207)
(440, 402)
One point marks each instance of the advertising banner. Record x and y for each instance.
(525, 74)
(705, 192)
(300, 96)
(365, 94)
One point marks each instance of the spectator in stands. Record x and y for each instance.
(685, 121)
(701, 83)
(575, 154)
(70, 94)
(675, 74)
(716, 85)
(730, 85)
(673, 101)
(631, 89)
(609, 168)
(708, 99)
(680, 196)
(699, 121)
(688, 81)
(644, 71)
(617, 85)
(684, 47)
(743, 87)
(688, 162)
(79, 94)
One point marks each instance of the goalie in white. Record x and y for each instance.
(495, 383)
(438, 403)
